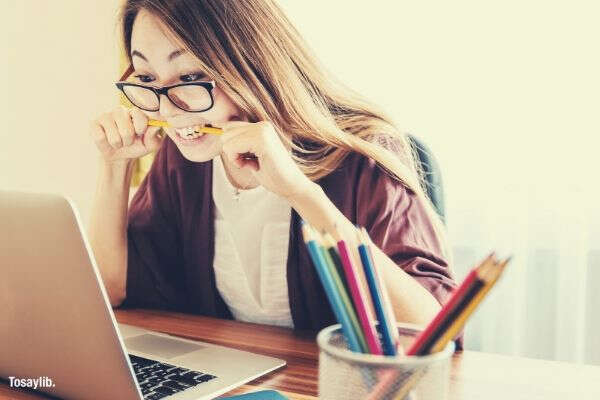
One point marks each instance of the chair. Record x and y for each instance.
(432, 184)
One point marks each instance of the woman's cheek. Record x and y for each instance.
(224, 110)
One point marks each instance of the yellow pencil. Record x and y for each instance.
(409, 384)
(197, 128)
(460, 321)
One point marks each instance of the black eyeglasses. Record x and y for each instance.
(191, 97)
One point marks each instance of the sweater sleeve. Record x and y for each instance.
(153, 242)
(397, 222)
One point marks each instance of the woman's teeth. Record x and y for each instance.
(189, 133)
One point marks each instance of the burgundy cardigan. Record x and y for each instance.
(171, 238)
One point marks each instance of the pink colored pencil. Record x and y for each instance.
(360, 300)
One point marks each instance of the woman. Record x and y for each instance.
(214, 228)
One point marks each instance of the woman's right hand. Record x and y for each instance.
(123, 135)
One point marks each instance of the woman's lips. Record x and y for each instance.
(190, 142)
(187, 137)
(190, 132)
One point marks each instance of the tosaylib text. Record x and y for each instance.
(30, 383)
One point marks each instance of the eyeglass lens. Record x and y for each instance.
(186, 97)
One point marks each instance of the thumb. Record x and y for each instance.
(153, 138)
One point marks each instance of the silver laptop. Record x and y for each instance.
(58, 333)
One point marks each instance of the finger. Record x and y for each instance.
(245, 160)
(246, 143)
(246, 133)
(248, 162)
(152, 140)
(234, 124)
(111, 131)
(232, 129)
(125, 126)
(238, 151)
(99, 137)
(140, 121)
(254, 132)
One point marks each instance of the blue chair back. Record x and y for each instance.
(433, 185)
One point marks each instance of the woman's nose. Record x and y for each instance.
(166, 107)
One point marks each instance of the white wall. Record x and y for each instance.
(507, 94)
(56, 74)
(484, 79)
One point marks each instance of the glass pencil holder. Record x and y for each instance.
(347, 375)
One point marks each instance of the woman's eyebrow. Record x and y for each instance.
(171, 56)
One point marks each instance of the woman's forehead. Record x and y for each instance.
(155, 42)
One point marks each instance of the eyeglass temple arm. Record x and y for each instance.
(127, 72)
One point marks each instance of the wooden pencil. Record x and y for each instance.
(329, 244)
(359, 298)
(424, 339)
(389, 310)
(343, 294)
(452, 316)
(376, 290)
(329, 286)
(459, 322)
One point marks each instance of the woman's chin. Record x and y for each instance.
(202, 150)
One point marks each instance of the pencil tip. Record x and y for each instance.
(506, 261)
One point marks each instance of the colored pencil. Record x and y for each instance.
(387, 338)
(468, 297)
(491, 278)
(329, 244)
(409, 384)
(343, 294)
(329, 287)
(359, 296)
(354, 256)
(389, 310)
(416, 348)
(487, 272)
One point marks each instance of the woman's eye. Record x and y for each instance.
(144, 78)
(191, 77)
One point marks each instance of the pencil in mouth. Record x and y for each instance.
(189, 131)
(208, 129)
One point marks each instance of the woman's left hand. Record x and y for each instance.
(273, 166)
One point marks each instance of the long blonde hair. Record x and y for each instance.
(256, 56)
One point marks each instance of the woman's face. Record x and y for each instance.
(159, 61)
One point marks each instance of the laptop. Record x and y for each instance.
(58, 333)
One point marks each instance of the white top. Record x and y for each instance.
(251, 249)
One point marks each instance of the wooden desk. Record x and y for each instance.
(474, 375)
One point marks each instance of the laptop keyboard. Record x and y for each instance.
(158, 380)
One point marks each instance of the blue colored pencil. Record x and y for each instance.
(388, 340)
(388, 309)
